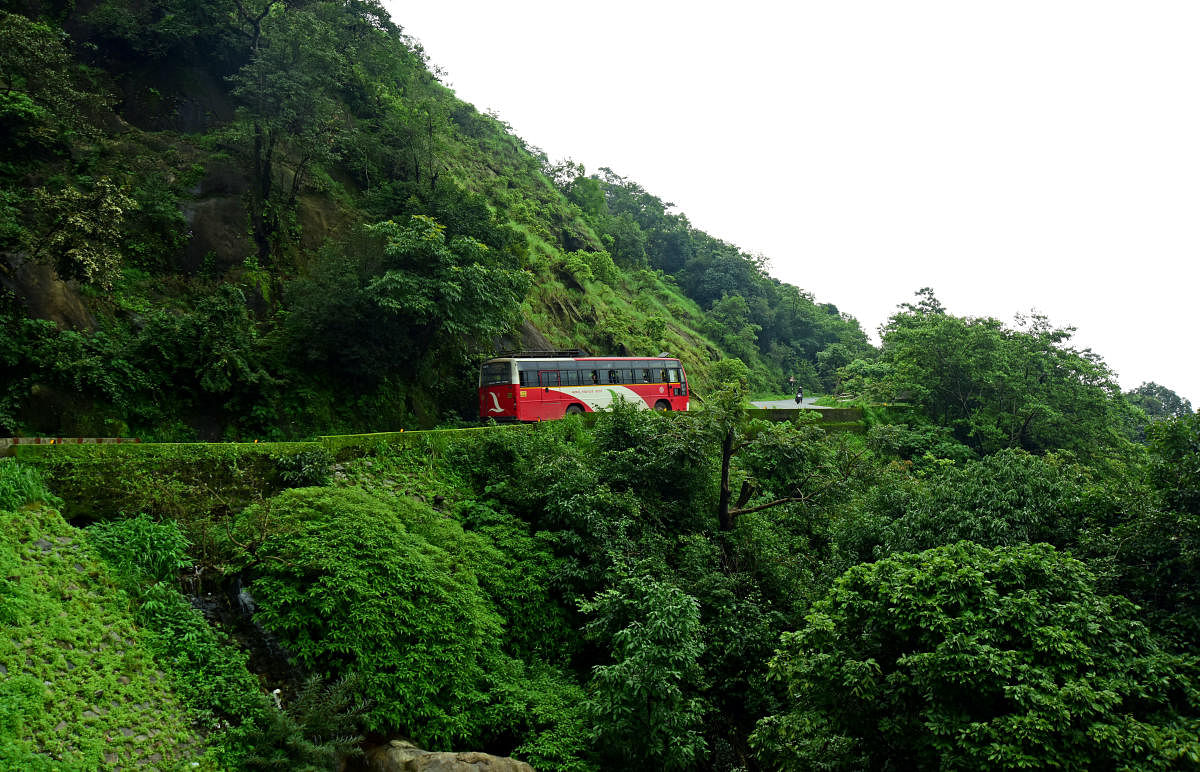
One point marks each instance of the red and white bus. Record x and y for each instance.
(542, 386)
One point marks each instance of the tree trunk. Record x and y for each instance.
(264, 149)
(724, 519)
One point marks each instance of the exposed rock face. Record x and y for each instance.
(525, 338)
(216, 219)
(401, 756)
(45, 295)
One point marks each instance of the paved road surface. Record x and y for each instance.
(789, 403)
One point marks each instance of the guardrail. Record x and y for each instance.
(8, 444)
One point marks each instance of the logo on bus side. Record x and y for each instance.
(496, 402)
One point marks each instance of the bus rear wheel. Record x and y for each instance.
(663, 405)
(574, 409)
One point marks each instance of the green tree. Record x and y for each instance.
(964, 657)
(82, 231)
(290, 95)
(351, 582)
(730, 371)
(997, 387)
(830, 362)
(587, 194)
(728, 322)
(161, 29)
(399, 296)
(1175, 445)
(624, 240)
(1158, 402)
(1005, 499)
(642, 703)
(448, 293)
(41, 99)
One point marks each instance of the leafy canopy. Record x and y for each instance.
(639, 703)
(352, 582)
(964, 657)
(404, 297)
(993, 386)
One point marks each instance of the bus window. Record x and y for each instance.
(672, 376)
(548, 377)
(662, 376)
(570, 377)
(495, 373)
(614, 376)
(645, 375)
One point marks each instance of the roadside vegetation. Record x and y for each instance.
(579, 594)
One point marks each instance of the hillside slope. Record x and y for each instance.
(81, 686)
(207, 230)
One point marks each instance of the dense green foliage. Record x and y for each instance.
(1158, 401)
(963, 657)
(569, 594)
(994, 387)
(429, 636)
(639, 708)
(83, 686)
(406, 301)
(380, 589)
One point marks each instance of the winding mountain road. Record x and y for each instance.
(789, 404)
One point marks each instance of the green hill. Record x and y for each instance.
(262, 219)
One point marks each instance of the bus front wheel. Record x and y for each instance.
(574, 409)
(662, 404)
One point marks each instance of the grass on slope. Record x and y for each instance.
(79, 687)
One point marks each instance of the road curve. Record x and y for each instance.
(789, 404)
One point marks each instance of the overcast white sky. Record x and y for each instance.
(1013, 156)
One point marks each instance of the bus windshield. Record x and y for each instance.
(495, 373)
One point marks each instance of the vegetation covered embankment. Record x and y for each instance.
(577, 597)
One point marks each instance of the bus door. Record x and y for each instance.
(677, 386)
(551, 398)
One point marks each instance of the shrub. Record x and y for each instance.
(964, 657)
(315, 731)
(1008, 498)
(142, 549)
(349, 581)
(21, 485)
(601, 266)
(210, 671)
(642, 703)
(313, 466)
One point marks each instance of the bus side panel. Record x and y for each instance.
(534, 403)
(533, 406)
(554, 404)
(650, 393)
(497, 402)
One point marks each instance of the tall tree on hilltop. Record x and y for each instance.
(997, 387)
(1158, 402)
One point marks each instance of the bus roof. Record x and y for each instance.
(581, 359)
